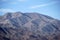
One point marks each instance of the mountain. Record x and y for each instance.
(29, 26)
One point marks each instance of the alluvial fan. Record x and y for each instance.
(29, 26)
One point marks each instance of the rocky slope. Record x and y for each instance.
(28, 26)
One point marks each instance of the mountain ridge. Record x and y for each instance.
(28, 26)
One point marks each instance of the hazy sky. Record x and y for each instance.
(47, 7)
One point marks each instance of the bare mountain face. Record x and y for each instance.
(28, 26)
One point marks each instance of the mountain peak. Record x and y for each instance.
(29, 26)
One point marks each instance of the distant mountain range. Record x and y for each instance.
(29, 26)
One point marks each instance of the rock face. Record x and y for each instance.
(28, 26)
